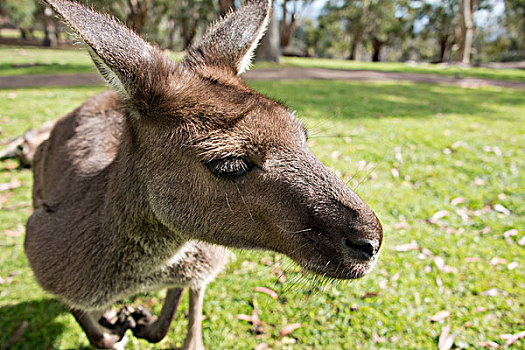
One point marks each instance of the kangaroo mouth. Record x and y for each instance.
(340, 271)
(335, 257)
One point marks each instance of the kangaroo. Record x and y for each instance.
(144, 186)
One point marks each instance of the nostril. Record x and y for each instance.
(362, 248)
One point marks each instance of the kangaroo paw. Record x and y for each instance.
(118, 322)
(145, 325)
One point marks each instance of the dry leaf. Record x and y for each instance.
(494, 292)
(281, 278)
(12, 233)
(335, 155)
(501, 209)
(407, 247)
(486, 230)
(508, 234)
(10, 185)
(512, 338)
(262, 346)
(463, 214)
(488, 344)
(457, 200)
(439, 262)
(272, 294)
(440, 316)
(449, 269)
(378, 339)
(370, 295)
(16, 336)
(395, 172)
(473, 259)
(438, 215)
(288, 329)
(446, 340)
(401, 225)
(479, 182)
(497, 261)
(243, 317)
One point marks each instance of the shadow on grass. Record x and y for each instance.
(42, 327)
(356, 100)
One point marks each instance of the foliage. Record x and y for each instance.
(442, 22)
(378, 22)
(21, 12)
(515, 23)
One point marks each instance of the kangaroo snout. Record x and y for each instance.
(364, 243)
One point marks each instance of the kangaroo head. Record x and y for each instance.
(218, 162)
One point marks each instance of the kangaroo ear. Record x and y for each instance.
(119, 54)
(230, 44)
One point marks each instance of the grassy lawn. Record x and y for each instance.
(30, 60)
(411, 151)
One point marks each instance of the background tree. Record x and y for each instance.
(390, 21)
(137, 14)
(21, 13)
(226, 6)
(442, 20)
(292, 10)
(466, 29)
(514, 23)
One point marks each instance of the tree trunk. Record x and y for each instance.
(138, 14)
(448, 50)
(443, 44)
(466, 31)
(469, 31)
(377, 45)
(226, 6)
(357, 40)
(50, 38)
(356, 49)
(269, 49)
(287, 29)
(23, 33)
(189, 28)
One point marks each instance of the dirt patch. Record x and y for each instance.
(22, 81)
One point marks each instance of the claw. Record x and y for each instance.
(118, 322)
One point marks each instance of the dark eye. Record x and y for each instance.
(230, 167)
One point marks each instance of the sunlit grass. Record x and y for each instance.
(408, 150)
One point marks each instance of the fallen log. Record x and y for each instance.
(23, 147)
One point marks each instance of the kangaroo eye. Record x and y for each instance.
(230, 167)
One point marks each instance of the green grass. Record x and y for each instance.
(30, 60)
(517, 75)
(444, 142)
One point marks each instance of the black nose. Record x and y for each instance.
(361, 248)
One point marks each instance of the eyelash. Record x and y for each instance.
(230, 167)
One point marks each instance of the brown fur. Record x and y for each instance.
(124, 197)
